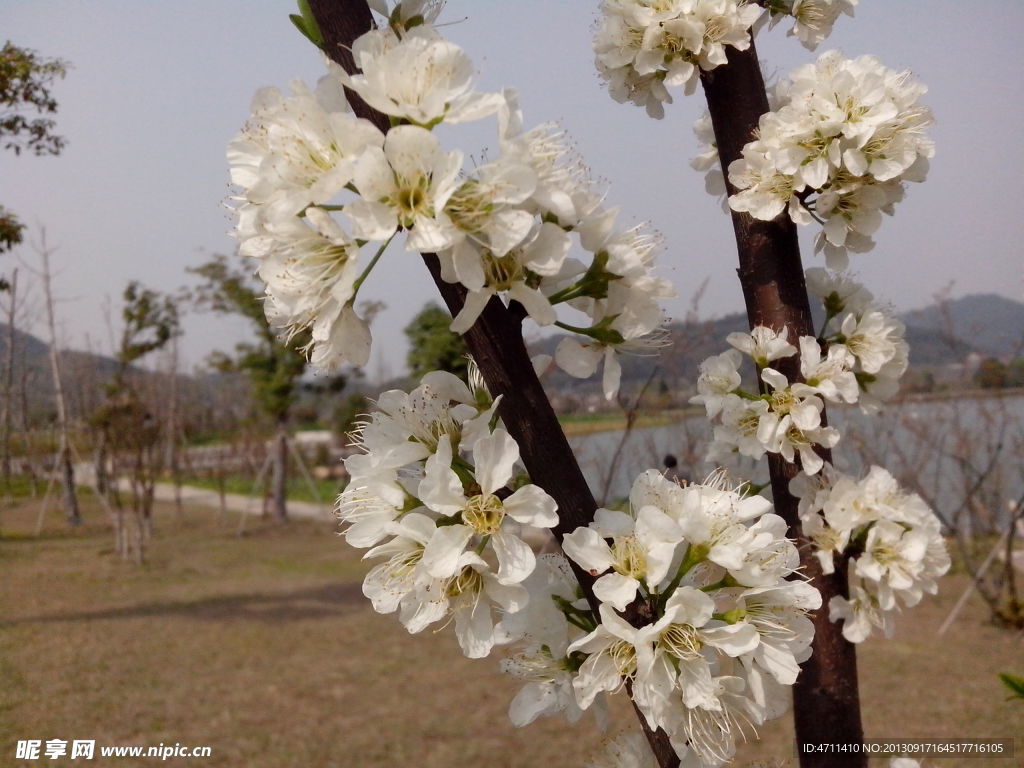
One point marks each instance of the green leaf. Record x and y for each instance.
(306, 24)
(311, 24)
(300, 25)
(1014, 683)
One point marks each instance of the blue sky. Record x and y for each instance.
(158, 89)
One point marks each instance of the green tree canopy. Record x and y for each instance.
(432, 346)
(991, 374)
(273, 367)
(25, 82)
(25, 100)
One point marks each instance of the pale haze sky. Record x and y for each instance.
(158, 89)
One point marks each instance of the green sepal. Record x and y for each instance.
(306, 24)
(447, 520)
(574, 661)
(731, 617)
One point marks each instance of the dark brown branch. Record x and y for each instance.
(826, 704)
(496, 343)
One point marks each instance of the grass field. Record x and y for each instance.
(297, 487)
(264, 649)
(589, 423)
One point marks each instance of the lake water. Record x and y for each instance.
(962, 455)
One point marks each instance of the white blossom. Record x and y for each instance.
(763, 344)
(421, 78)
(813, 19)
(641, 551)
(298, 150)
(483, 515)
(405, 184)
(892, 538)
(844, 136)
(830, 376)
(642, 47)
(719, 377)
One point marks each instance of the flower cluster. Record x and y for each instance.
(859, 356)
(644, 47)
(697, 608)
(891, 538)
(845, 136)
(812, 19)
(696, 612)
(431, 495)
(503, 229)
(869, 335)
(716, 629)
(786, 419)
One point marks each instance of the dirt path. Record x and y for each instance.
(205, 497)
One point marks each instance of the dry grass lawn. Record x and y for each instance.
(264, 649)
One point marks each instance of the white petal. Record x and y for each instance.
(373, 175)
(612, 374)
(536, 303)
(475, 630)
(475, 303)
(696, 685)
(733, 639)
(495, 455)
(441, 555)
(689, 606)
(616, 589)
(516, 560)
(507, 229)
(440, 489)
(474, 106)
(532, 506)
(411, 151)
(588, 549)
(371, 220)
(532, 701)
(430, 235)
(779, 662)
(577, 360)
(351, 334)
(546, 254)
(468, 266)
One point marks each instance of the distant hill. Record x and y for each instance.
(984, 324)
(24, 344)
(990, 324)
(34, 352)
(83, 373)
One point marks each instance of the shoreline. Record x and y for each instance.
(587, 424)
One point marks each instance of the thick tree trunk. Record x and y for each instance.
(826, 703)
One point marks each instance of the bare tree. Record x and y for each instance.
(8, 379)
(173, 423)
(128, 424)
(63, 465)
